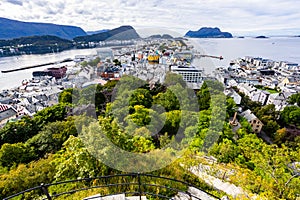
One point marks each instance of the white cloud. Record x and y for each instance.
(268, 16)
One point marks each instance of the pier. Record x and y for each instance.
(39, 65)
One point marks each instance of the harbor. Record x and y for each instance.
(149, 60)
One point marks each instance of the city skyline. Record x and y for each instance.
(265, 17)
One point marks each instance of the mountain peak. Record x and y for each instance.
(126, 32)
(208, 32)
(10, 29)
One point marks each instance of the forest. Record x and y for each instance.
(54, 145)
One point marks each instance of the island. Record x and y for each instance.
(261, 37)
(208, 32)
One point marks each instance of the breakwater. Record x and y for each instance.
(39, 65)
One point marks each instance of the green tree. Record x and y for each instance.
(294, 99)
(274, 165)
(74, 161)
(27, 176)
(173, 79)
(271, 127)
(226, 151)
(168, 100)
(141, 97)
(290, 115)
(94, 62)
(231, 107)
(51, 138)
(19, 131)
(68, 96)
(14, 154)
(54, 113)
(204, 97)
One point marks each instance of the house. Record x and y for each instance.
(247, 89)
(261, 96)
(7, 113)
(278, 99)
(255, 123)
(233, 94)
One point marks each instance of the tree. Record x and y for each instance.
(19, 131)
(274, 165)
(54, 113)
(13, 154)
(290, 115)
(141, 97)
(74, 161)
(94, 62)
(271, 127)
(173, 79)
(294, 99)
(51, 138)
(168, 100)
(226, 151)
(68, 96)
(27, 176)
(204, 97)
(231, 107)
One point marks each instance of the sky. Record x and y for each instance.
(240, 17)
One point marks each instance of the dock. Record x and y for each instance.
(39, 65)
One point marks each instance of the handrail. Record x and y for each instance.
(140, 184)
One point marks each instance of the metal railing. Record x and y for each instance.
(143, 187)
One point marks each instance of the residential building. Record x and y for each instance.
(279, 100)
(255, 123)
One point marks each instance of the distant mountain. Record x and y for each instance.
(121, 33)
(10, 29)
(96, 32)
(164, 36)
(207, 32)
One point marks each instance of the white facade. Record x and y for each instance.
(189, 74)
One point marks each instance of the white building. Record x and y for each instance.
(189, 74)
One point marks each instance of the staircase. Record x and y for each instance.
(194, 192)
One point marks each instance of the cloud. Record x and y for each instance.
(179, 15)
(15, 2)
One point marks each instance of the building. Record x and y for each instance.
(189, 74)
(105, 53)
(57, 72)
(255, 123)
(261, 96)
(7, 113)
(279, 100)
(234, 95)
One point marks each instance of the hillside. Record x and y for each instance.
(120, 33)
(207, 32)
(10, 29)
(35, 45)
(96, 32)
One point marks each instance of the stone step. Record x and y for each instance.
(195, 192)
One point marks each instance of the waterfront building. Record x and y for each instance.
(57, 72)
